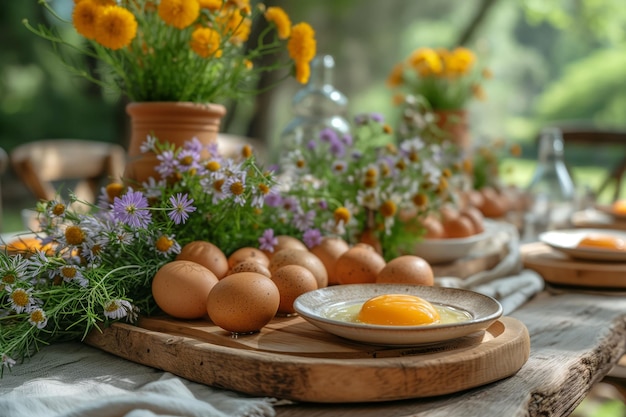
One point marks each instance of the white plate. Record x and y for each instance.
(436, 251)
(608, 209)
(314, 305)
(567, 241)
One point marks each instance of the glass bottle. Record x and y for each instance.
(551, 189)
(317, 106)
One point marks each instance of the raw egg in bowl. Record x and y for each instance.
(411, 314)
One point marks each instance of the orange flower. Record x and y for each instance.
(179, 13)
(206, 42)
(84, 18)
(302, 48)
(396, 76)
(116, 27)
(426, 61)
(278, 16)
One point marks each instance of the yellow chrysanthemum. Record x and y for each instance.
(84, 18)
(179, 13)
(236, 26)
(116, 27)
(459, 61)
(212, 5)
(342, 214)
(206, 42)
(426, 62)
(302, 48)
(303, 72)
(278, 16)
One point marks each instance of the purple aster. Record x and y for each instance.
(273, 199)
(328, 135)
(347, 139)
(268, 241)
(312, 238)
(132, 209)
(187, 160)
(377, 117)
(193, 145)
(337, 148)
(181, 207)
(167, 165)
(323, 204)
(303, 221)
(312, 144)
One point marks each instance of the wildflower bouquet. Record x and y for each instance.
(91, 269)
(179, 50)
(446, 79)
(362, 187)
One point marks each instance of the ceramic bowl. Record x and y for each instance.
(436, 251)
(314, 307)
(566, 241)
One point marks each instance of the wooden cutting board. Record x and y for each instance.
(292, 359)
(558, 268)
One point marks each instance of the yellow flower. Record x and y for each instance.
(459, 61)
(84, 18)
(278, 16)
(116, 27)
(302, 48)
(342, 214)
(388, 208)
(426, 62)
(212, 5)
(479, 92)
(234, 26)
(179, 13)
(206, 42)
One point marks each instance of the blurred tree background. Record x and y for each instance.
(553, 61)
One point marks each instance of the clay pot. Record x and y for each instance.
(173, 122)
(455, 125)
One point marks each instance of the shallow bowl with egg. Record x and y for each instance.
(588, 244)
(444, 250)
(325, 309)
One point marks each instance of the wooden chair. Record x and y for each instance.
(82, 166)
(594, 138)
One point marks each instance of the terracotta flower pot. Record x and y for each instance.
(455, 125)
(173, 122)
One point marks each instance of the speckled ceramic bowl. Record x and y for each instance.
(314, 307)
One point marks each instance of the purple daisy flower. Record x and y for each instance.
(328, 135)
(377, 117)
(132, 209)
(312, 238)
(273, 199)
(268, 241)
(181, 207)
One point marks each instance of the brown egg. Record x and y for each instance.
(248, 254)
(303, 258)
(448, 212)
(475, 198)
(358, 265)
(434, 228)
(458, 227)
(249, 266)
(476, 217)
(205, 254)
(407, 269)
(292, 281)
(329, 250)
(243, 302)
(180, 289)
(286, 242)
(368, 237)
(493, 206)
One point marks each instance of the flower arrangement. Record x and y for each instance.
(487, 162)
(363, 187)
(446, 78)
(88, 269)
(180, 50)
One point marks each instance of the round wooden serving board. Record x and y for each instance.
(558, 268)
(292, 359)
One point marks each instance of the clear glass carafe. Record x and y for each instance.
(551, 189)
(317, 106)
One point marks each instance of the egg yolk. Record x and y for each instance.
(398, 310)
(619, 207)
(602, 241)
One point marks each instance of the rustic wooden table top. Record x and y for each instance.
(576, 339)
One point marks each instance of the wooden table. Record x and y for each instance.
(576, 339)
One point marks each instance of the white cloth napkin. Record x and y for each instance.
(507, 282)
(76, 380)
